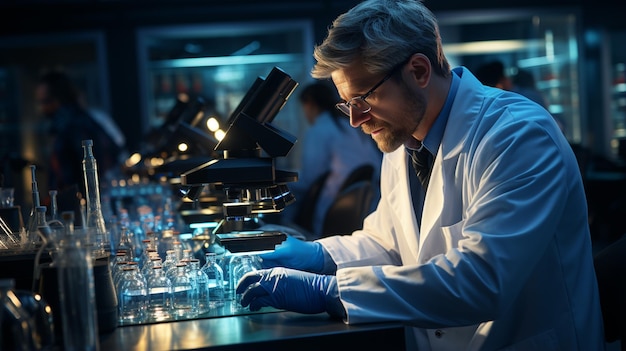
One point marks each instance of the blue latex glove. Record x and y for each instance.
(297, 254)
(291, 290)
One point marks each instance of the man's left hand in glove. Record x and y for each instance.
(291, 290)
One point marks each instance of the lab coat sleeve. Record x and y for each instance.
(514, 188)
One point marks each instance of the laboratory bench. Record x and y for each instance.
(275, 330)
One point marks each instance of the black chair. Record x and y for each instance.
(304, 216)
(610, 267)
(349, 209)
(364, 172)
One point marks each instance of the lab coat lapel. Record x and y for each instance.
(460, 121)
(433, 203)
(399, 197)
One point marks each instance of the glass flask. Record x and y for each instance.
(233, 270)
(116, 273)
(125, 243)
(54, 208)
(33, 238)
(216, 280)
(146, 270)
(187, 254)
(77, 298)
(121, 273)
(245, 264)
(137, 236)
(118, 258)
(144, 253)
(177, 246)
(159, 295)
(169, 240)
(170, 261)
(132, 296)
(229, 262)
(39, 220)
(184, 300)
(95, 219)
(201, 284)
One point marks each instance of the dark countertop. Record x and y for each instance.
(260, 331)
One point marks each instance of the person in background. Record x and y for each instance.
(492, 74)
(523, 82)
(489, 249)
(331, 145)
(70, 123)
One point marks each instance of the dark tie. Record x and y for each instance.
(422, 161)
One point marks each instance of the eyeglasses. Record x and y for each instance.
(359, 102)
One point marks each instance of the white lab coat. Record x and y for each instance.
(503, 257)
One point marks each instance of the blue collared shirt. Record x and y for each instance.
(435, 134)
(431, 142)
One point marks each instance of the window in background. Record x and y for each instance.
(617, 93)
(22, 127)
(542, 44)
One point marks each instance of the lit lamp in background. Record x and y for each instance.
(213, 124)
(187, 137)
(133, 160)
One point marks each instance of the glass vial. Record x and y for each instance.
(201, 284)
(132, 296)
(95, 220)
(31, 229)
(216, 280)
(244, 265)
(38, 220)
(159, 295)
(183, 293)
(77, 296)
(54, 208)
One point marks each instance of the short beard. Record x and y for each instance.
(407, 122)
(393, 139)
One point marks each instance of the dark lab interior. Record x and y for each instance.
(172, 75)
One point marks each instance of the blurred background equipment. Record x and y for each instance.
(247, 172)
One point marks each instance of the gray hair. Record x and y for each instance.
(381, 34)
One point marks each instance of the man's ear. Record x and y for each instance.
(421, 69)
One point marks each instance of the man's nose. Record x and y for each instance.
(358, 117)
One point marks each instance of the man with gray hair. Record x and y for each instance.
(480, 240)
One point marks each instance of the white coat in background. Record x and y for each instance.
(340, 149)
